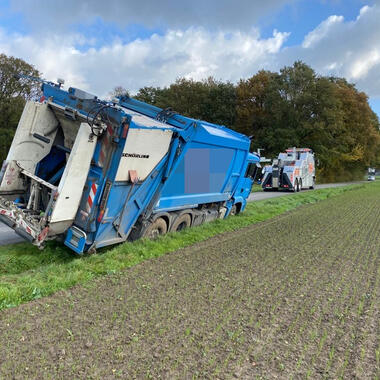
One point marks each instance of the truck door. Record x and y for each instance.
(247, 181)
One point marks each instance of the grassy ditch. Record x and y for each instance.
(27, 274)
(256, 188)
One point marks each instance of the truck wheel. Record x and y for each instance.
(233, 210)
(91, 251)
(300, 185)
(181, 223)
(155, 229)
(295, 186)
(313, 185)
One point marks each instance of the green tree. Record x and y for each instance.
(210, 100)
(13, 95)
(296, 107)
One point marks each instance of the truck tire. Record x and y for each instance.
(182, 222)
(300, 185)
(233, 211)
(312, 187)
(295, 186)
(155, 229)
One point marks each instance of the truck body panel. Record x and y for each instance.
(36, 120)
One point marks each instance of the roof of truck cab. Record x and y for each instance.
(253, 157)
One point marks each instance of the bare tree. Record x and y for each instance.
(119, 91)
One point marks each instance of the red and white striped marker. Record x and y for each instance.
(91, 197)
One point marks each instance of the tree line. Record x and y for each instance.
(292, 107)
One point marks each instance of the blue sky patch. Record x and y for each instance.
(301, 17)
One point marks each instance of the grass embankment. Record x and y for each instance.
(256, 188)
(27, 274)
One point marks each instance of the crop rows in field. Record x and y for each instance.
(27, 273)
(294, 297)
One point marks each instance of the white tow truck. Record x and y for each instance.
(293, 170)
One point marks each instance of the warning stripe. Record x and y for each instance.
(91, 197)
(27, 228)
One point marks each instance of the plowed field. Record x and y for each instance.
(297, 296)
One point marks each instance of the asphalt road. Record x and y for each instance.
(259, 196)
(8, 236)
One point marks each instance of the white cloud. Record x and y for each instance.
(322, 31)
(362, 66)
(53, 56)
(156, 61)
(363, 11)
(350, 49)
(336, 47)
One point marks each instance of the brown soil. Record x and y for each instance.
(296, 297)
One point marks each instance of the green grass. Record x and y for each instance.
(256, 188)
(27, 273)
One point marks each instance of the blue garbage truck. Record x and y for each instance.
(93, 173)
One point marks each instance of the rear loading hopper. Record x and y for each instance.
(45, 172)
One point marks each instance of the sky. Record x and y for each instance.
(96, 45)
